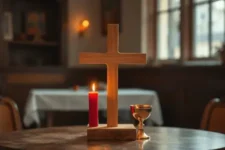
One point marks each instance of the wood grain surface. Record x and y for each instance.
(61, 138)
(124, 132)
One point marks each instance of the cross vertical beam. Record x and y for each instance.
(112, 95)
(112, 77)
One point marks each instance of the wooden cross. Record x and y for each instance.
(112, 58)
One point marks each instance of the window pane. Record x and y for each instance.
(218, 15)
(168, 4)
(197, 1)
(168, 35)
(201, 31)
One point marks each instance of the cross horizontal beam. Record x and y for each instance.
(114, 58)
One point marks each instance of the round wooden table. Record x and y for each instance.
(75, 138)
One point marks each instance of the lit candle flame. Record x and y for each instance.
(93, 87)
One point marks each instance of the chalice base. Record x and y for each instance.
(141, 135)
(126, 132)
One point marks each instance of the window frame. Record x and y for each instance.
(169, 11)
(187, 8)
(210, 4)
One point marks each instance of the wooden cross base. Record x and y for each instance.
(126, 132)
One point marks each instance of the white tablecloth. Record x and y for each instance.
(70, 100)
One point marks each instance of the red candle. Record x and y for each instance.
(93, 107)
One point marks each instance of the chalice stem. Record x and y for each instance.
(140, 133)
(140, 124)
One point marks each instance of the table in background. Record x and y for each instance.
(70, 100)
(62, 138)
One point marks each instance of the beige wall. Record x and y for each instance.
(130, 37)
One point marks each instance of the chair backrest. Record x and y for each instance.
(9, 116)
(214, 116)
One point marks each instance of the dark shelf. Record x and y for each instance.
(32, 21)
(34, 43)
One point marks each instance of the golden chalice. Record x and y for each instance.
(141, 113)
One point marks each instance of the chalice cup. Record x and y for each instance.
(141, 112)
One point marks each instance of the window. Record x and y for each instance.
(168, 29)
(209, 27)
(186, 29)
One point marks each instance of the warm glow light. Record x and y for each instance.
(83, 27)
(93, 87)
(85, 23)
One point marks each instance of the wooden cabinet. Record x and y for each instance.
(37, 28)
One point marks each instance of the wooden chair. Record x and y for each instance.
(214, 116)
(9, 116)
